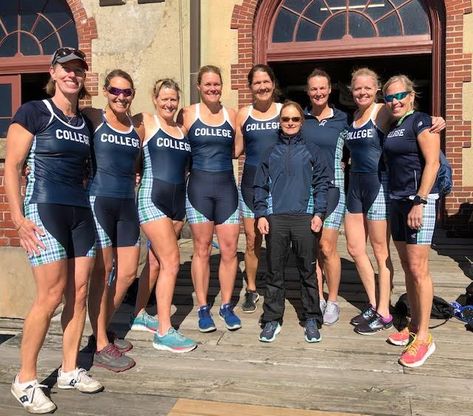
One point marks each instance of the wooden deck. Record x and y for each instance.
(231, 373)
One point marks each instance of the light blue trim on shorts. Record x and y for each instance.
(425, 234)
(195, 217)
(245, 210)
(102, 240)
(335, 219)
(379, 210)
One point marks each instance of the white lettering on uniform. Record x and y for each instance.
(397, 133)
(269, 125)
(72, 136)
(213, 131)
(173, 144)
(120, 140)
(360, 134)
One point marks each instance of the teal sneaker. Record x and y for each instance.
(226, 313)
(173, 341)
(144, 322)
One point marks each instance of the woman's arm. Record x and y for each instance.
(429, 144)
(19, 142)
(239, 142)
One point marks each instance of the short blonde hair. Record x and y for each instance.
(365, 72)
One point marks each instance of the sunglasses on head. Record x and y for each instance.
(127, 92)
(63, 52)
(398, 96)
(293, 119)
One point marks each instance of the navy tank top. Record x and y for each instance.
(365, 144)
(167, 157)
(114, 156)
(58, 155)
(211, 146)
(259, 135)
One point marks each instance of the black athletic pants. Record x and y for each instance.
(284, 230)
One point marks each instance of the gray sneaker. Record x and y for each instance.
(249, 305)
(323, 305)
(112, 359)
(79, 380)
(332, 313)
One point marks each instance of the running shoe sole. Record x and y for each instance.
(372, 332)
(179, 350)
(46, 410)
(251, 310)
(138, 327)
(231, 328)
(313, 340)
(401, 343)
(429, 352)
(209, 329)
(68, 387)
(114, 369)
(276, 332)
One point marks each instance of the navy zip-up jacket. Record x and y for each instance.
(292, 178)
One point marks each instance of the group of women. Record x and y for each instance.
(80, 203)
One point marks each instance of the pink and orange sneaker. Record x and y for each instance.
(400, 338)
(417, 352)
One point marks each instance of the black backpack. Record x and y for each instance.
(441, 309)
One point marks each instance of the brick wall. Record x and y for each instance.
(458, 208)
(87, 30)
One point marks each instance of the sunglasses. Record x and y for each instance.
(63, 52)
(127, 92)
(398, 96)
(293, 119)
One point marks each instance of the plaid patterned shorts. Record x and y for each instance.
(245, 210)
(81, 239)
(195, 217)
(335, 218)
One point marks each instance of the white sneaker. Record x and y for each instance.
(322, 305)
(32, 398)
(332, 313)
(78, 379)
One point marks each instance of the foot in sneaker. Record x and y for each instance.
(122, 344)
(206, 322)
(332, 313)
(417, 352)
(226, 313)
(401, 338)
(31, 397)
(249, 305)
(322, 305)
(144, 322)
(112, 359)
(375, 324)
(311, 331)
(366, 315)
(269, 332)
(78, 379)
(173, 341)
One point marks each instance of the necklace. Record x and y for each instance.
(69, 118)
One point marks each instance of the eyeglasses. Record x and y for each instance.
(63, 52)
(127, 92)
(293, 119)
(398, 96)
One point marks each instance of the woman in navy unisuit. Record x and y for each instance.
(116, 148)
(54, 222)
(412, 153)
(257, 129)
(212, 195)
(161, 207)
(290, 203)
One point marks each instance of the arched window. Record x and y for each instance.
(319, 20)
(30, 31)
(35, 27)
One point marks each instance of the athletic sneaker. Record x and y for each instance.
(31, 397)
(331, 313)
(226, 314)
(401, 338)
(322, 305)
(375, 324)
(122, 344)
(112, 359)
(417, 352)
(269, 332)
(311, 331)
(364, 316)
(173, 341)
(144, 322)
(249, 305)
(78, 379)
(206, 322)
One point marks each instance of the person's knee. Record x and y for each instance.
(419, 270)
(327, 249)
(355, 251)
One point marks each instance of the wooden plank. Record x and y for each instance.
(185, 407)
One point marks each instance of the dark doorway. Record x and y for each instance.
(32, 87)
(292, 77)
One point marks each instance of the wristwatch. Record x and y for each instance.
(419, 200)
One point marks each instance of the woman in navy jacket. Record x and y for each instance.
(290, 203)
